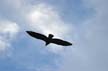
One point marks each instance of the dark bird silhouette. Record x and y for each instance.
(49, 39)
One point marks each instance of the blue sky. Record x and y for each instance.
(82, 22)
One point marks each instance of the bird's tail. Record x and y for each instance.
(46, 43)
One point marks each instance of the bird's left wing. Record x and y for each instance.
(61, 42)
(37, 35)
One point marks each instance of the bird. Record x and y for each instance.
(49, 39)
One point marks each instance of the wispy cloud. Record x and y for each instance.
(90, 53)
(8, 31)
(45, 19)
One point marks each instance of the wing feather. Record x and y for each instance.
(61, 42)
(37, 35)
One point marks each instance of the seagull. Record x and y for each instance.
(49, 39)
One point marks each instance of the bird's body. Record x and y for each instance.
(48, 39)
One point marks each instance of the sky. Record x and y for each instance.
(82, 22)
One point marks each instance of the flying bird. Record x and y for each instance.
(49, 39)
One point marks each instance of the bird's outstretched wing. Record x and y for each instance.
(37, 35)
(61, 42)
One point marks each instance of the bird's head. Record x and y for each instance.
(51, 35)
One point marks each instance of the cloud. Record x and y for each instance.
(45, 19)
(40, 18)
(8, 31)
(15, 4)
(91, 50)
(3, 46)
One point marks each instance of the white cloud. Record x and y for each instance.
(8, 31)
(3, 46)
(45, 19)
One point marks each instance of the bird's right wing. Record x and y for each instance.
(37, 35)
(61, 42)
